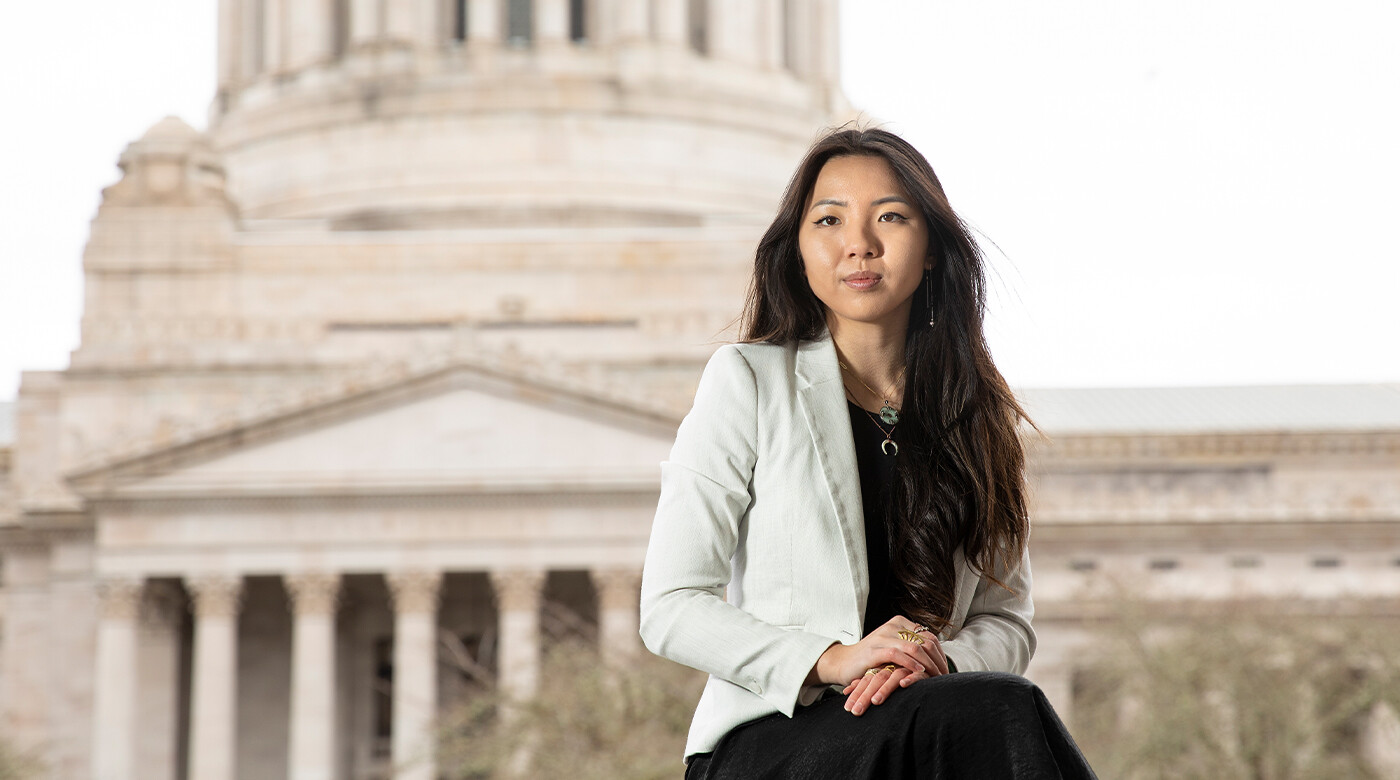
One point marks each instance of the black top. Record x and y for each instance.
(877, 475)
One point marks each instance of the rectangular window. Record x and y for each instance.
(520, 22)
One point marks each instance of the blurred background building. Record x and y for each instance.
(382, 365)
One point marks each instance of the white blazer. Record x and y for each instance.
(761, 497)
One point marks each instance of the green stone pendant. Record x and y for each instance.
(889, 414)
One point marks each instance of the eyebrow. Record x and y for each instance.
(843, 204)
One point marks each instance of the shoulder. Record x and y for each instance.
(740, 375)
(761, 358)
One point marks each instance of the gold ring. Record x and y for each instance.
(872, 671)
(910, 636)
(890, 667)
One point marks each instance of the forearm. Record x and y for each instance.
(698, 629)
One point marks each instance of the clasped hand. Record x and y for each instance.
(865, 665)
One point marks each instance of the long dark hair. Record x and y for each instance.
(960, 473)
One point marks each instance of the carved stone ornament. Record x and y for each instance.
(518, 590)
(617, 588)
(313, 593)
(215, 596)
(414, 591)
(120, 597)
(171, 165)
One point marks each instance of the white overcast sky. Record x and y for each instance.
(1187, 193)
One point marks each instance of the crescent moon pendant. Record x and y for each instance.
(889, 447)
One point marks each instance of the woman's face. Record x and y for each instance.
(864, 243)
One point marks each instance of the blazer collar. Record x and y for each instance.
(822, 397)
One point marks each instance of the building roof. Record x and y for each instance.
(1242, 409)
(7, 423)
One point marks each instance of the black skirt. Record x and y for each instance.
(968, 725)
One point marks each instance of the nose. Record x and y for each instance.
(861, 241)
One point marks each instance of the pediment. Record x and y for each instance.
(462, 431)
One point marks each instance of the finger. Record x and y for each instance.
(877, 682)
(859, 700)
(929, 656)
(915, 658)
(853, 690)
(935, 651)
(913, 678)
(905, 657)
(890, 686)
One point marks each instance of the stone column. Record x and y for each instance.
(250, 40)
(801, 34)
(772, 33)
(732, 30)
(415, 673)
(672, 22)
(214, 680)
(618, 605)
(364, 22)
(275, 36)
(413, 22)
(230, 43)
(632, 21)
(518, 600)
(551, 19)
(114, 696)
(308, 32)
(312, 724)
(485, 22)
(826, 41)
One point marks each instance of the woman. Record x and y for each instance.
(844, 506)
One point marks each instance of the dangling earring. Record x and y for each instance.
(928, 294)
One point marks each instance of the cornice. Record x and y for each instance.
(504, 373)
(32, 538)
(574, 496)
(1089, 612)
(1115, 447)
(1074, 537)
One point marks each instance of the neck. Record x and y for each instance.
(874, 352)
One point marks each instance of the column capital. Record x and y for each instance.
(414, 591)
(215, 595)
(617, 588)
(312, 593)
(119, 598)
(518, 589)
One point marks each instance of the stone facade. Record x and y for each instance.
(385, 361)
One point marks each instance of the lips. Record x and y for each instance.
(862, 280)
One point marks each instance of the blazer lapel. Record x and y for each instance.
(823, 400)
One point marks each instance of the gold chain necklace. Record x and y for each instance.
(888, 446)
(888, 412)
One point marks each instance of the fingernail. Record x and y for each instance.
(877, 700)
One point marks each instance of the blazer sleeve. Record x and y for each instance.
(997, 634)
(705, 494)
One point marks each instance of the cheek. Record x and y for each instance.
(808, 259)
(815, 257)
